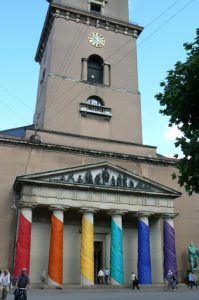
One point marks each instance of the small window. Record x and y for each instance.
(95, 8)
(95, 106)
(95, 100)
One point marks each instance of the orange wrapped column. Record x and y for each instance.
(55, 264)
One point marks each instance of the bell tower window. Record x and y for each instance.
(96, 8)
(95, 69)
(95, 100)
(95, 106)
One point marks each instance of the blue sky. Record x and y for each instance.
(159, 47)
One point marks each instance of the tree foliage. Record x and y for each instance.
(180, 101)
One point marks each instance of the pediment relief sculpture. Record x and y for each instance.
(103, 177)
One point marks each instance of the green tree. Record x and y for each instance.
(180, 101)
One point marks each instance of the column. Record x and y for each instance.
(55, 262)
(87, 248)
(170, 262)
(116, 253)
(144, 254)
(23, 242)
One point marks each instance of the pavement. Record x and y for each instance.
(111, 293)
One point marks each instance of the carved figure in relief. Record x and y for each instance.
(124, 181)
(71, 178)
(105, 176)
(140, 186)
(98, 179)
(131, 184)
(62, 178)
(143, 186)
(113, 181)
(79, 179)
(119, 180)
(89, 177)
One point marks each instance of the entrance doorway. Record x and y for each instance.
(98, 259)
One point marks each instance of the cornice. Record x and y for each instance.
(81, 16)
(88, 152)
(87, 137)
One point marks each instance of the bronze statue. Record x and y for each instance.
(124, 181)
(113, 181)
(131, 184)
(62, 178)
(80, 180)
(193, 255)
(98, 179)
(119, 180)
(89, 178)
(71, 178)
(105, 176)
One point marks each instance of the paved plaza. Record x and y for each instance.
(111, 294)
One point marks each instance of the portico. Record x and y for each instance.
(74, 209)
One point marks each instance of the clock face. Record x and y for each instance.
(96, 39)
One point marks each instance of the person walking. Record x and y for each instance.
(5, 283)
(106, 275)
(100, 276)
(172, 280)
(192, 280)
(134, 281)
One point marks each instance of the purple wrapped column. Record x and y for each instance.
(169, 247)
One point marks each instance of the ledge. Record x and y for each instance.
(97, 110)
(83, 151)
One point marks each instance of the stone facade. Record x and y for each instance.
(82, 192)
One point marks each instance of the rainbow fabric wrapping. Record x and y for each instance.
(144, 255)
(55, 264)
(22, 252)
(169, 248)
(87, 250)
(116, 255)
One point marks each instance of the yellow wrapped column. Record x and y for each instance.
(87, 249)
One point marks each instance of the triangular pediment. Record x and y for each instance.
(101, 176)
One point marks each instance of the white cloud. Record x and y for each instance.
(172, 133)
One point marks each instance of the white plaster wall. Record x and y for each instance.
(71, 263)
(156, 244)
(130, 238)
(40, 242)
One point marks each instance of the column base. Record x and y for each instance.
(53, 283)
(114, 282)
(86, 282)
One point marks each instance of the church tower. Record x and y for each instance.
(88, 71)
(88, 194)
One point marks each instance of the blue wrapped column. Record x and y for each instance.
(170, 262)
(144, 253)
(116, 251)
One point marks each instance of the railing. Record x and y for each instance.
(102, 111)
